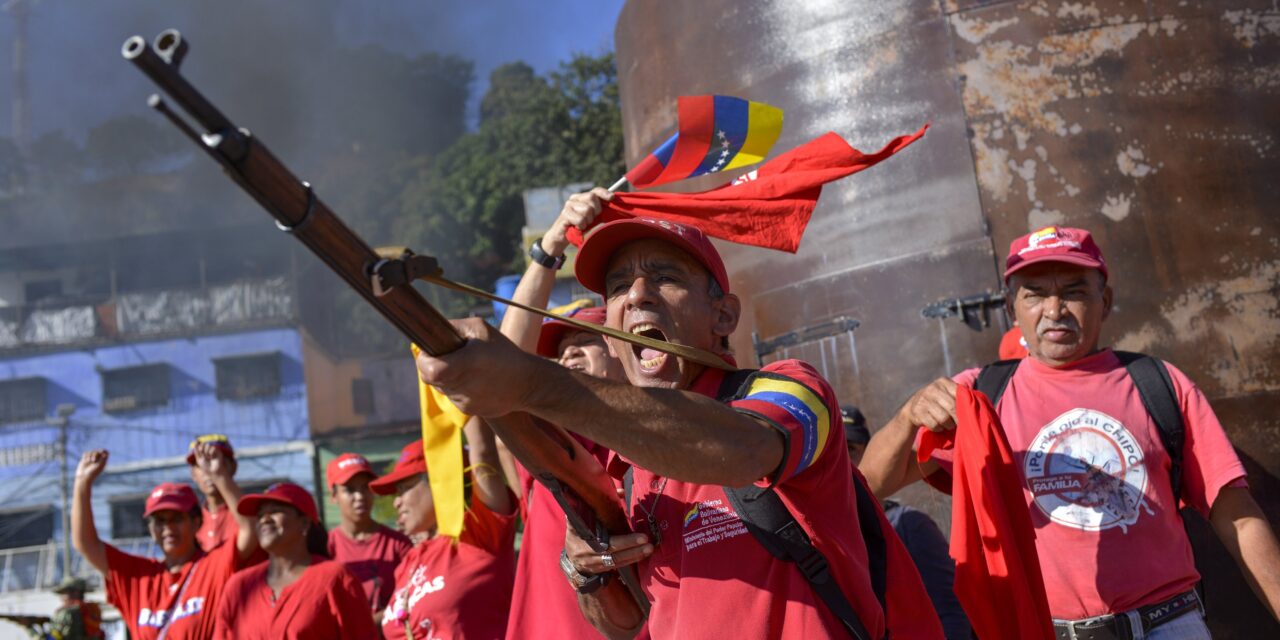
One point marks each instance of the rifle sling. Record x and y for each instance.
(434, 276)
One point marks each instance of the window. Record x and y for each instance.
(22, 400)
(245, 377)
(362, 396)
(126, 517)
(38, 290)
(26, 527)
(135, 388)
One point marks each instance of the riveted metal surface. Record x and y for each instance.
(1150, 122)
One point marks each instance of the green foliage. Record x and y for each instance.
(534, 131)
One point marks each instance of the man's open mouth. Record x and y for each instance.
(650, 359)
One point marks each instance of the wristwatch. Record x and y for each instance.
(583, 582)
(540, 256)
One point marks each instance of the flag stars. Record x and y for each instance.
(720, 134)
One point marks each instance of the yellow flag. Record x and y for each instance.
(442, 447)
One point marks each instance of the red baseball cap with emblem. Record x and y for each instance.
(412, 462)
(553, 330)
(605, 240)
(216, 439)
(1055, 244)
(282, 492)
(347, 466)
(170, 495)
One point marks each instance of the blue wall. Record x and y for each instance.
(159, 432)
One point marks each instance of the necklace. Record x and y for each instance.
(655, 534)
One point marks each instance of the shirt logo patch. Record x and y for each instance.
(712, 522)
(149, 618)
(1085, 470)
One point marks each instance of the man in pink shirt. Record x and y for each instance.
(369, 550)
(1097, 478)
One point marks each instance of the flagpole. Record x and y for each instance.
(622, 182)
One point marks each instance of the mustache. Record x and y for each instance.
(1068, 324)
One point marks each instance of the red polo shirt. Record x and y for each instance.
(148, 594)
(544, 605)
(217, 527)
(448, 589)
(372, 561)
(326, 603)
(709, 577)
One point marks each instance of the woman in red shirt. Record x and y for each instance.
(446, 588)
(174, 598)
(298, 594)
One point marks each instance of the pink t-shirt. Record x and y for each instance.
(372, 561)
(708, 571)
(543, 604)
(1096, 479)
(448, 590)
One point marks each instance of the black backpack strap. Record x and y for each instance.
(774, 527)
(628, 481)
(1151, 377)
(994, 378)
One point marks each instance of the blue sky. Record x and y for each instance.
(77, 79)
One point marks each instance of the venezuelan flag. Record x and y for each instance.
(715, 133)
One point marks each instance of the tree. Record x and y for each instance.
(132, 144)
(534, 131)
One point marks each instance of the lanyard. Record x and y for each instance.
(168, 618)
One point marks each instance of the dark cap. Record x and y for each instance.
(855, 425)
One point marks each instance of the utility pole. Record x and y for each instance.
(21, 125)
(62, 421)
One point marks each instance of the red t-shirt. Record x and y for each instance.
(708, 571)
(372, 561)
(217, 527)
(326, 603)
(1096, 481)
(447, 589)
(145, 591)
(543, 604)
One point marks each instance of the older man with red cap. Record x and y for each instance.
(690, 431)
(1111, 445)
(370, 550)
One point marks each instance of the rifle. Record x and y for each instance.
(555, 459)
(24, 620)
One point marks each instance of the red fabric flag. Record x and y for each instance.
(998, 577)
(768, 207)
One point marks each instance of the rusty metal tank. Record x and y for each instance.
(1152, 123)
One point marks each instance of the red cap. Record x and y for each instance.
(1012, 346)
(553, 330)
(412, 462)
(1055, 244)
(283, 492)
(603, 241)
(170, 495)
(347, 466)
(216, 439)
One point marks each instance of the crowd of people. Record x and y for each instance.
(759, 504)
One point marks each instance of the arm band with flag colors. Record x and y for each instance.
(442, 448)
(715, 133)
(793, 398)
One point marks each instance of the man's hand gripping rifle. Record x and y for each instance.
(579, 483)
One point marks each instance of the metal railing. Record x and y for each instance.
(39, 568)
(147, 314)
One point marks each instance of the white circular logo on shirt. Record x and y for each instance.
(1086, 470)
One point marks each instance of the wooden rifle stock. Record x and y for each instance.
(574, 477)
